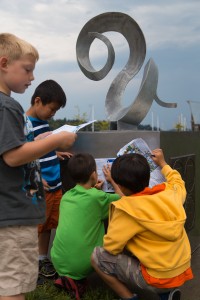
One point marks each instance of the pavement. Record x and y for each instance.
(191, 289)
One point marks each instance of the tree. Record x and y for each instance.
(178, 126)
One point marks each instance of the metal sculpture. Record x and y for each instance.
(124, 24)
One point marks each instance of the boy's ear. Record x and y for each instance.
(3, 62)
(93, 177)
(124, 190)
(37, 100)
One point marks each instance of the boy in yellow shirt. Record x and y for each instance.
(146, 252)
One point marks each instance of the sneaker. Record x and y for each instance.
(75, 288)
(173, 295)
(59, 283)
(41, 281)
(46, 268)
(82, 286)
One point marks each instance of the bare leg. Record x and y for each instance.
(16, 297)
(117, 286)
(44, 238)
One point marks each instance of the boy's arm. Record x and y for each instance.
(172, 176)
(108, 177)
(121, 229)
(30, 151)
(158, 157)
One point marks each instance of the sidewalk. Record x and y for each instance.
(191, 289)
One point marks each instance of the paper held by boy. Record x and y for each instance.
(72, 128)
(135, 146)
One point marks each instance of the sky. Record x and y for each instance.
(172, 34)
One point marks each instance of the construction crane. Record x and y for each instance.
(195, 114)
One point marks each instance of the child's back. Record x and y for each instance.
(83, 210)
(80, 229)
(149, 223)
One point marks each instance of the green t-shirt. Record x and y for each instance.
(80, 230)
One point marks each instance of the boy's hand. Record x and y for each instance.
(63, 155)
(108, 177)
(65, 140)
(45, 185)
(107, 172)
(99, 184)
(42, 135)
(158, 157)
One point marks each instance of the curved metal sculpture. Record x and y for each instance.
(124, 24)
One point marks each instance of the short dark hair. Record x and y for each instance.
(131, 171)
(81, 166)
(49, 91)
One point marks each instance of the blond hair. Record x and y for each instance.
(14, 48)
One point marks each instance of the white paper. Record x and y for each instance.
(100, 162)
(140, 146)
(71, 128)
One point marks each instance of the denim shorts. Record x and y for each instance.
(127, 269)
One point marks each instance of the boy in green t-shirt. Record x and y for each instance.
(83, 210)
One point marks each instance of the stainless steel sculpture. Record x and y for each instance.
(124, 24)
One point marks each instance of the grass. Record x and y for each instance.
(49, 292)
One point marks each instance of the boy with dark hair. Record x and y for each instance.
(47, 99)
(83, 210)
(21, 190)
(146, 252)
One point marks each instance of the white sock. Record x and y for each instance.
(42, 256)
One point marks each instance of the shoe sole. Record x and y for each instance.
(48, 275)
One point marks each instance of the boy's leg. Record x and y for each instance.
(46, 268)
(111, 279)
(122, 273)
(44, 238)
(117, 286)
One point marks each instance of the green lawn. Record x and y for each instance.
(49, 291)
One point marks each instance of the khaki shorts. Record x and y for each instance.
(52, 210)
(127, 269)
(18, 259)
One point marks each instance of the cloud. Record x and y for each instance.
(172, 23)
(171, 29)
(53, 26)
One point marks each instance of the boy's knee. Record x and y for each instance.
(92, 259)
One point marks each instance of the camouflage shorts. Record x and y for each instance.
(126, 268)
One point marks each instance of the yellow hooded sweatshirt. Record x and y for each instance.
(151, 227)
